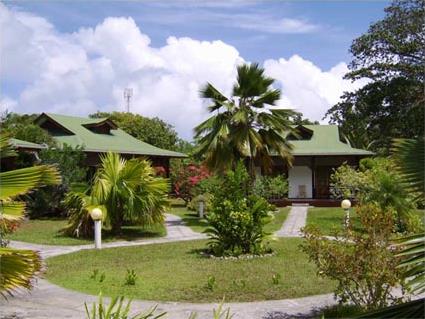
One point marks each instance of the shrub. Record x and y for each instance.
(377, 181)
(236, 221)
(186, 177)
(271, 187)
(361, 263)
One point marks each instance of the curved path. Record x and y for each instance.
(50, 301)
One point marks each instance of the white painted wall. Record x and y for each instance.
(300, 175)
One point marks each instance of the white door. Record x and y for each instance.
(300, 182)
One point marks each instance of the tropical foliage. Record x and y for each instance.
(244, 126)
(361, 263)
(18, 267)
(129, 191)
(390, 57)
(236, 220)
(186, 177)
(378, 181)
(271, 187)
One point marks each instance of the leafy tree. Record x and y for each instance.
(298, 119)
(69, 160)
(391, 58)
(244, 126)
(150, 130)
(21, 126)
(18, 266)
(129, 191)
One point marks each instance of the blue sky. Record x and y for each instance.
(338, 23)
(76, 57)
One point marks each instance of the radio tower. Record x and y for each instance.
(128, 94)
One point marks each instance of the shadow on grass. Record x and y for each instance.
(192, 219)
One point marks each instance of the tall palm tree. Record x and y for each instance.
(244, 126)
(17, 266)
(130, 191)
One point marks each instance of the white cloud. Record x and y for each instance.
(307, 88)
(87, 70)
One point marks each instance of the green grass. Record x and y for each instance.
(197, 224)
(47, 232)
(190, 218)
(329, 219)
(177, 272)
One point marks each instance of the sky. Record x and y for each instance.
(77, 57)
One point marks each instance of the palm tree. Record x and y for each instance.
(18, 267)
(244, 126)
(129, 191)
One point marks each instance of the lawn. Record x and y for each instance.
(177, 272)
(329, 219)
(48, 232)
(197, 224)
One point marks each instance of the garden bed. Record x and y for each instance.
(177, 272)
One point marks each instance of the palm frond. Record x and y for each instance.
(410, 157)
(6, 147)
(20, 181)
(18, 269)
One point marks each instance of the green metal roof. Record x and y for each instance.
(117, 141)
(324, 141)
(24, 144)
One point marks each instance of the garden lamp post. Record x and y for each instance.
(96, 215)
(201, 203)
(346, 204)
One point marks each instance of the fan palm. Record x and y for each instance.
(130, 191)
(18, 267)
(244, 126)
(410, 157)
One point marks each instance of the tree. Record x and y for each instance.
(18, 267)
(21, 126)
(391, 58)
(129, 191)
(150, 130)
(244, 126)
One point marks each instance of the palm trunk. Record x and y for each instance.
(117, 221)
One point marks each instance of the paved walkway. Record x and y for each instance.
(294, 222)
(176, 231)
(47, 300)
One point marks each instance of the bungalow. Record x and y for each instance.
(318, 150)
(99, 136)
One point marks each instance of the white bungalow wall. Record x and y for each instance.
(299, 178)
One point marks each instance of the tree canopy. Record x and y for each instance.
(390, 57)
(244, 126)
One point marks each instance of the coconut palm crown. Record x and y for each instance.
(244, 126)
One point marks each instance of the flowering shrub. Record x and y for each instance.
(186, 178)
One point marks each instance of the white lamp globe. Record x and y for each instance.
(345, 204)
(96, 213)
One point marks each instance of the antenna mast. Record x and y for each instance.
(128, 94)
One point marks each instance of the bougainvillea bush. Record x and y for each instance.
(186, 178)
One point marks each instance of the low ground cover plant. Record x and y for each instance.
(237, 219)
(363, 264)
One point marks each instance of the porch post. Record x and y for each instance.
(313, 176)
